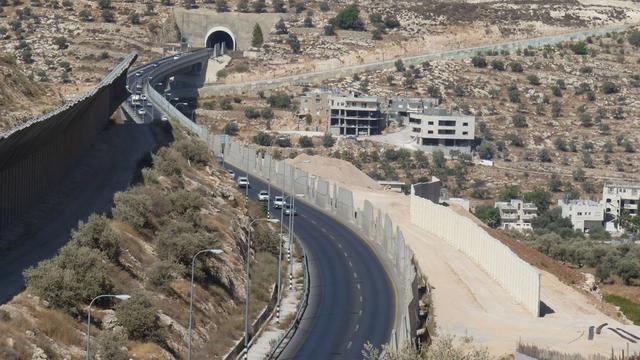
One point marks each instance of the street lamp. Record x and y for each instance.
(248, 285)
(119, 297)
(193, 261)
(284, 201)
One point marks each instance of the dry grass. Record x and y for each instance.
(59, 327)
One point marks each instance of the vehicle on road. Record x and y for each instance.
(164, 118)
(176, 57)
(155, 65)
(143, 97)
(139, 73)
(232, 173)
(243, 182)
(139, 87)
(288, 209)
(263, 195)
(141, 112)
(278, 201)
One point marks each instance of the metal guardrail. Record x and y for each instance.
(286, 337)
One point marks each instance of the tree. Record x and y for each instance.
(104, 4)
(308, 20)
(498, 65)
(279, 100)
(514, 93)
(328, 140)
(516, 67)
(324, 6)
(486, 150)
(294, 43)
(222, 6)
(540, 197)
(108, 15)
(329, 30)
(555, 184)
(544, 155)
(259, 6)
(305, 142)
(134, 18)
(243, 6)
(376, 34)
(586, 120)
(628, 269)
(400, 65)
(140, 319)
(579, 175)
(488, 214)
(283, 141)
(533, 79)
(349, 19)
(281, 27)
(479, 61)
(438, 159)
(257, 38)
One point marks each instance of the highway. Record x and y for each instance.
(352, 299)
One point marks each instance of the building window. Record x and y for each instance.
(465, 133)
(430, 132)
(430, 122)
(465, 124)
(608, 200)
(446, 123)
(446, 132)
(417, 130)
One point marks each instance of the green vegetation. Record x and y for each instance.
(629, 308)
(348, 19)
(257, 39)
(280, 100)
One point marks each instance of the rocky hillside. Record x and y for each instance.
(20, 96)
(184, 204)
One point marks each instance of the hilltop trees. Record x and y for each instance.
(348, 19)
(257, 38)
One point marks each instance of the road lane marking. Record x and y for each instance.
(360, 298)
(349, 345)
(358, 286)
(357, 327)
(355, 275)
(350, 264)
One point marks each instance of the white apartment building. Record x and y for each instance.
(399, 107)
(351, 115)
(584, 214)
(618, 197)
(516, 214)
(440, 129)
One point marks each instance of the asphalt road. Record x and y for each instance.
(111, 165)
(352, 299)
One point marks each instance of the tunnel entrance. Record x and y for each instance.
(217, 36)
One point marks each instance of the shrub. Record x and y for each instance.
(348, 19)
(178, 241)
(160, 274)
(108, 15)
(294, 43)
(281, 27)
(279, 100)
(498, 65)
(479, 61)
(110, 346)
(514, 139)
(231, 128)
(76, 275)
(544, 155)
(132, 208)
(134, 18)
(257, 38)
(324, 6)
(519, 121)
(193, 150)
(61, 42)
(168, 162)
(514, 93)
(486, 150)
(329, 30)
(634, 38)
(222, 6)
(251, 113)
(328, 140)
(305, 142)
(263, 139)
(556, 109)
(140, 319)
(516, 67)
(579, 48)
(283, 141)
(586, 120)
(609, 87)
(488, 214)
(533, 79)
(266, 113)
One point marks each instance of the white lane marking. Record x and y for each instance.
(357, 327)
(345, 254)
(360, 313)
(314, 222)
(323, 230)
(360, 298)
(333, 238)
(355, 275)
(349, 345)
(339, 245)
(358, 286)
(350, 264)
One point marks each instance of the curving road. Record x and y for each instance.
(352, 299)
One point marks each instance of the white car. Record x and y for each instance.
(143, 97)
(164, 118)
(176, 57)
(278, 201)
(263, 195)
(231, 173)
(243, 182)
(288, 209)
(141, 112)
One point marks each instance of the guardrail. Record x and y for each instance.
(286, 337)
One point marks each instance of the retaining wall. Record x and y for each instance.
(515, 275)
(36, 156)
(347, 71)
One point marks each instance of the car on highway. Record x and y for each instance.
(176, 57)
(278, 201)
(263, 195)
(139, 86)
(164, 118)
(288, 209)
(155, 65)
(143, 97)
(141, 112)
(139, 73)
(243, 182)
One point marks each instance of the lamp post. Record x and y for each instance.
(119, 297)
(248, 285)
(284, 200)
(193, 262)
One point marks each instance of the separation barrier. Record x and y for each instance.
(515, 275)
(36, 156)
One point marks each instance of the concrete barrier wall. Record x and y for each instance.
(376, 227)
(35, 157)
(515, 275)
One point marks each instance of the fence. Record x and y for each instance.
(36, 156)
(515, 275)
